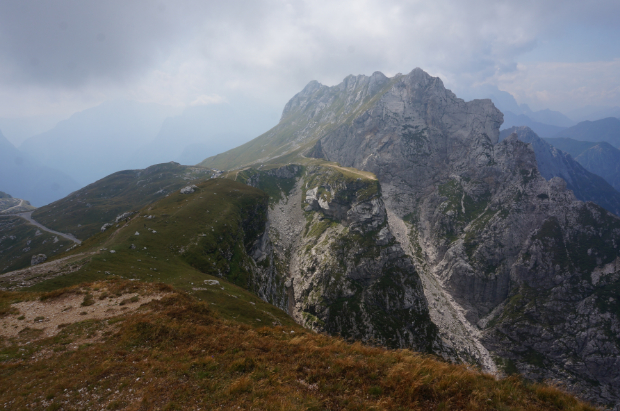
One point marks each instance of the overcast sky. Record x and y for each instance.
(58, 57)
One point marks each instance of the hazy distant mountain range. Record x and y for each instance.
(99, 141)
(120, 135)
(24, 177)
(519, 120)
(593, 113)
(588, 123)
(202, 131)
(18, 130)
(607, 129)
(599, 158)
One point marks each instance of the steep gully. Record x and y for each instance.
(456, 331)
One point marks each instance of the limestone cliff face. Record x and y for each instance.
(345, 273)
(415, 135)
(516, 252)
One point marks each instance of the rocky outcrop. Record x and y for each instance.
(415, 136)
(188, 189)
(38, 259)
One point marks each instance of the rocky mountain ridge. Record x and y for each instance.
(305, 118)
(504, 248)
(329, 243)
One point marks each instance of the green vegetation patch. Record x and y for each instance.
(267, 180)
(340, 185)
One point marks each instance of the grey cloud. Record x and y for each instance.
(69, 42)
(269, 47)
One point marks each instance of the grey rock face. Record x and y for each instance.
(516, 268)
(412, 132)
(306, 118)
(345, 273)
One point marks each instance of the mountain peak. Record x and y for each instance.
(417, 99)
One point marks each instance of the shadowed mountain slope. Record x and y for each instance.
(599, 158)
(570, 146)
(607, 129)
(586, 185)
(24, 177)
(604, 160)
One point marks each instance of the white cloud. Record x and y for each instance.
(564, 86)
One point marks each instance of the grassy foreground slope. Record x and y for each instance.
(177, 353)
(83, 212)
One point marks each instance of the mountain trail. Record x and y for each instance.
(21, 202)
(28, 217)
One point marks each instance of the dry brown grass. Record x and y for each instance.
(181, 355)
